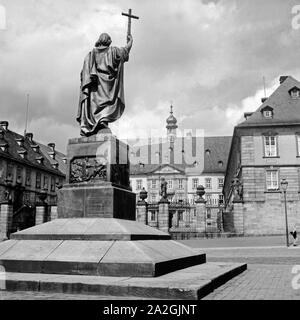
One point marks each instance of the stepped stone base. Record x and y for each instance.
(102, 247)
(188, 284)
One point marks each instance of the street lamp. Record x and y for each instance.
(284, 185)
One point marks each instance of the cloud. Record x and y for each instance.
(207, 57)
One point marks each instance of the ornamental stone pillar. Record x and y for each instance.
(142, 208)
(6, 214)
(200, 210)
(163, 215)
(41, 209)
(53, 213)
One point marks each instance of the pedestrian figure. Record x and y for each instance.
(295, 236)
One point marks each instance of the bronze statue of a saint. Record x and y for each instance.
(102, 90)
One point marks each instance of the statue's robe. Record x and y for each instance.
(102, 89)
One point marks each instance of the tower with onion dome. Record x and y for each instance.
(171, 126)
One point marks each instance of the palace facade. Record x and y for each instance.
(30, 173)
(185, 162)
(265, 150)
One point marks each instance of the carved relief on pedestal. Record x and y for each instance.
(86, 170)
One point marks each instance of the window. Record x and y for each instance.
(10, 173)
(52, 184)
(170, 184)
(153, 198)
(295, 93)
(220, 183)
(208, 183)
(28, 178)
(38, 180)
(180, 215)
(153, 184)
(152, 216)
(221, 199)
(180, 184)
(195, 183)
(272, 180)
(270, 146)
(209, 199)
(268, 114)
(298, 145)
(208, 213)
(46, 183)
(19, 175)
(139, 184)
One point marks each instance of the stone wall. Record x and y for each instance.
(264, 210)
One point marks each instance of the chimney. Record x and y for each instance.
(29, 136)
(4, 125)
(263, 100)
(282, 79)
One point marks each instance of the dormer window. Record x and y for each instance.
(207, 152)
(4, 147)
(40, 160)
(36, 148)
(20, 142)
(267, 112)
(295, 93)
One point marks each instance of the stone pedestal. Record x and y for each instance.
(6, 212)
(105, 244)
(200, 216)
(53, 213)
(238, 217)
(142, 212)
(40, 214)
(163, 216)
(97, 180)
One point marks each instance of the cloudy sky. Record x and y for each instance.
(206, 57)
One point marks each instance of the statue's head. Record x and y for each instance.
(103, 41)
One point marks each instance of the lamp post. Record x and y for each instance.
(284, 185)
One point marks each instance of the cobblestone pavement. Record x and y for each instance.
(257, 241)
(269, 275)
(259, 282)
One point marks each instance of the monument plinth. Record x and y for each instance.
(95, 246)
(97, 179)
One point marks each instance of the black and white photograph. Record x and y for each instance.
(149, 153)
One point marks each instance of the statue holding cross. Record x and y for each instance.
(102, 86)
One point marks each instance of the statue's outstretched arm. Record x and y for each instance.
(129, 43)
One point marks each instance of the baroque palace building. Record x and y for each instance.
(265, 149)
(30, 173)
(185, 161)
